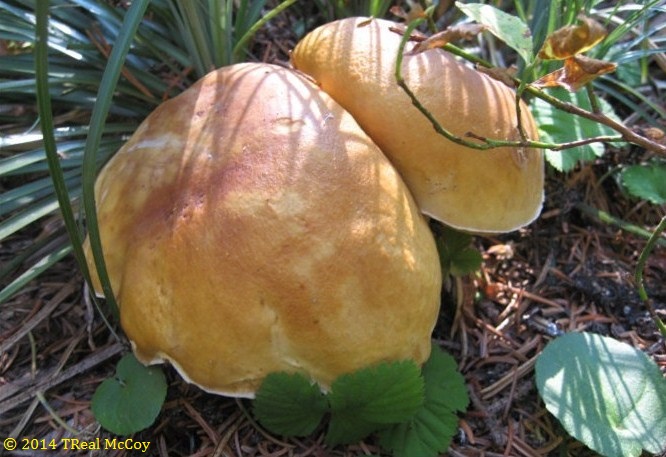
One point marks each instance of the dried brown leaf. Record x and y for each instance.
(504, 75)
(576, 73)
(653, 133)
(572, 40)
(458, 32)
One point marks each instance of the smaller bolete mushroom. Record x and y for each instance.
(250, 226)
(496, 190)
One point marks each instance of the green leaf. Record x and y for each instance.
(289, 404)
(606, 394)
(130, 401)
(466, 261)
(557, 126)
(510, 29)
(646, 181)
(368, 399)
(456, 255)
(431, 429)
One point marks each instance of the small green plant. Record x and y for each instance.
(412, 411)
(607, 394)
(456, 254)
(218, 33)
(132, 399)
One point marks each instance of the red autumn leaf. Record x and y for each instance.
(576, 72)
(573, 39)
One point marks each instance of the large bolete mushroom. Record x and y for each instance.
(250, 226)
(497, 190)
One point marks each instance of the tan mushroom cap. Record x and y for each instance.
(498, 190)
(250, 226)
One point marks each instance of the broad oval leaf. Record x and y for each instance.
(606, 394)
(130, 401)
(289, 404)
(510, 29)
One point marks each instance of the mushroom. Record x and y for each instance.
(496, 190)
(250, 226)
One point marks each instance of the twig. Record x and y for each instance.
(594, 100)
(508, 379)
(626, 134)
(23, 389)
(40, 316)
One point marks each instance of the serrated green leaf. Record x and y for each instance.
(289, 404)
(646, 181)
(510, 29)
(443, 382)
(346, 428)
(557, 126)
(431, 429)
(130, 401)
(455, 240)
(456, 256)
(383, 394)
(364, 401)
(606, 394)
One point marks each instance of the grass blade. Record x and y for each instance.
(28, 216)
(239, 48)
(31, 273)
(100, 111)
(46, 118)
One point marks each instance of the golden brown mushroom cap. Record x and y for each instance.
(497, 190)
(250, 226)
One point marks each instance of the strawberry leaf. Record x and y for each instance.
(431, 429)
(557, 126)
(369, 399)
(646, 181)
(456, 255)
(289, 404)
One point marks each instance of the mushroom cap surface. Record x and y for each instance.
(496, 190)
(250, 226)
